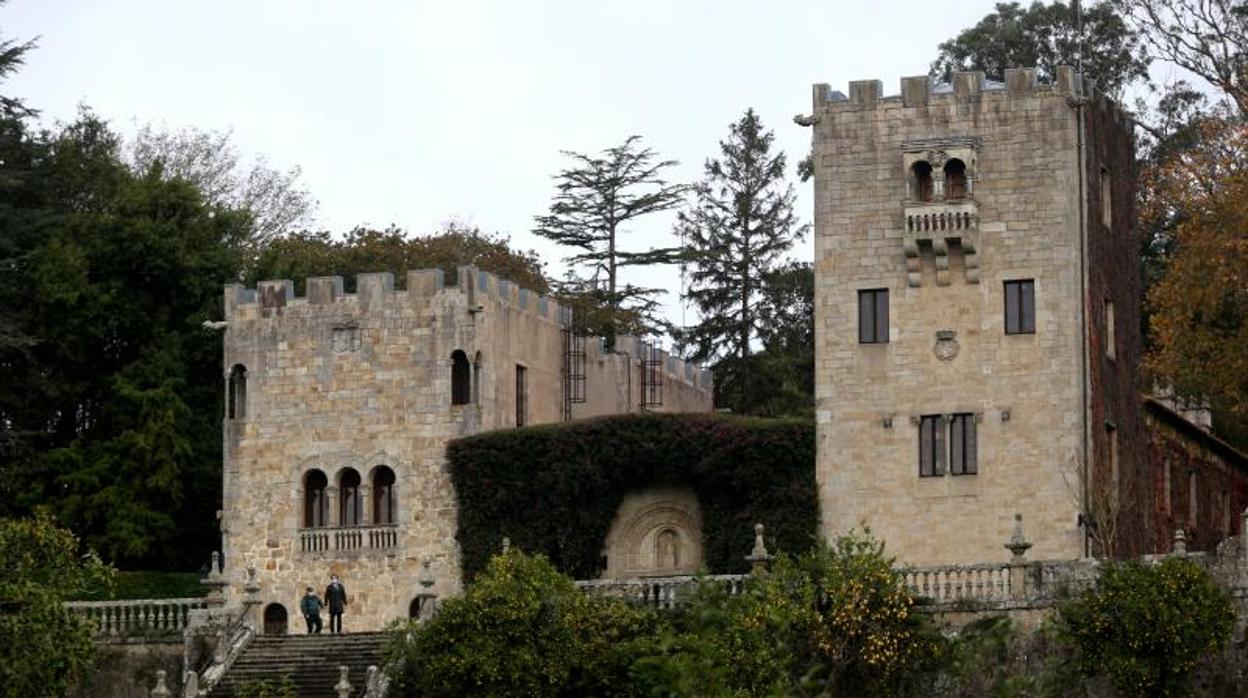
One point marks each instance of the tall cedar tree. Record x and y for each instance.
(593, 202)
(741, 224)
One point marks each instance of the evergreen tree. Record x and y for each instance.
(594, 200)
(741, 225)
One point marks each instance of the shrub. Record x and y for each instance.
(1147, 626)
(520, 629)
(267, 688)
(555, 488)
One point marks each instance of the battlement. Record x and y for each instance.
(966, 87)
(669, 364)
(474, 287)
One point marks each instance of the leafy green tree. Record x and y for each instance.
(12, 57)
(1046, 36)
(595, 199)
(735, 234)
(44, 648)
(112, 406)
(1148, 626)
(301, 255)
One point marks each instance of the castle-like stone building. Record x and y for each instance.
(339, 407)
(977, 315)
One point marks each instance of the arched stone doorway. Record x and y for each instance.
(656, 533)
(275, 621)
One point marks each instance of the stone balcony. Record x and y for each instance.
(936, 223)
(348, 539)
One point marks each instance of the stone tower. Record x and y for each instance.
(977, 315)
(340, 405)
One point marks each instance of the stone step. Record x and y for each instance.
(311, 661)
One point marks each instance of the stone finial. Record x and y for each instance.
(1180, 542)
(426, 579)
(190, 685)
(252, 587)
(372, 682)
(160, 690)
(506, 545)
(1018, 544)
(214, 567)
(343, 687)
(759, 557)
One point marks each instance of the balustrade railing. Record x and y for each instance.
(349, 538)
(138, 617)
(929, 218)
(662, 593)
(953, 583)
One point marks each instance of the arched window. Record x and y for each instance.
(461, 388)
(315, 504)
(413, 609)
(275, 619)
(383, 495)
(349, 498)
(236, 397)
(955, 179)
(922, 172)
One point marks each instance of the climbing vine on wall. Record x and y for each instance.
(555, 488)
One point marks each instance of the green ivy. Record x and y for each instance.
(555, 488)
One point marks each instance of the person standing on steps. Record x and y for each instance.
(335, 599)
(311, 607)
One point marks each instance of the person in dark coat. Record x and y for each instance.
(311, 607)
(335, 600)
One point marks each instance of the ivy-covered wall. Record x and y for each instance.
(554, 488)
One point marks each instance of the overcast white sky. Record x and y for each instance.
(417, 113)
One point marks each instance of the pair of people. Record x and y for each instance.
(335, 600)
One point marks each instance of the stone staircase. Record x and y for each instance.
(312, 661)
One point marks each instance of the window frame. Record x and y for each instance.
(963, 460)
(878, 300)
(1024, 296)
(932, 445)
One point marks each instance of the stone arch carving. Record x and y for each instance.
(656, 532)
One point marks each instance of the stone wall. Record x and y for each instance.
(944, 264)
(354, 383)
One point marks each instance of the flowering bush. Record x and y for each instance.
(1148, 626)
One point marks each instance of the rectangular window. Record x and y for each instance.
(931, 445)
(1191, 499)
(1114, 477)
(873, 316)
(1111, 350)
(522, 396)
(1107, 199)
(1165, 474)
(1020, 306)
(963, 459)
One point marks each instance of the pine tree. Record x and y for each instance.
(741, 225)
(594, 199)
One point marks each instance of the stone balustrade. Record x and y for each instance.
(662, 593)
(941, 218)
(348, 539)
(955, 583)
(138, 617)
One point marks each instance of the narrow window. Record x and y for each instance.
(1111, 433)
(963, 459)
(1192, 499)
(922, 180)
(873, 316)
(349, 498)
(522, 398)
(1226, 513)
(931, 445)
(315, 505)
(383, 496)
(955, 179)
(1111, 349)
(1165, 474)
(1020, 306)
(236, 401)
(1107, 199)
(461, 389)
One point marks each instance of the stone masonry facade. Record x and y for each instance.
(339, 407)
(941, 411)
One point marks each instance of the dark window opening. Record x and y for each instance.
(955, 179)
(1020, 307)
(275, 619)
(873, 316)
(522, 397)
(413, 609)
(349, 498)
(236, 400)
(931, 445)
(461, 379)
(315, 503)
(963, 457)
(383, 496)
(922, 173)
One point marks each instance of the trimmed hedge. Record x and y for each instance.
(555, 488)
